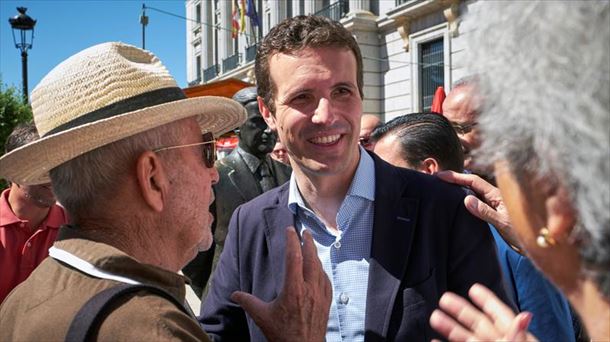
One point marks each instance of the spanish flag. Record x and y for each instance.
(234, 20)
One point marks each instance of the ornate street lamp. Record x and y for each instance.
(23, 23)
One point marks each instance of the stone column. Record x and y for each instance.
(207, 42)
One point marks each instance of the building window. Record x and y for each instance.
(268, 21)
(198, 13)
(431, 71)
(198, 65)
(289, 9)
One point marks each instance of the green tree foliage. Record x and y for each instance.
(12, 112)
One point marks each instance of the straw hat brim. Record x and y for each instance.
(30, 164)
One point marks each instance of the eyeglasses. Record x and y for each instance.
(365, 141)
(208, 146)
(464, 128)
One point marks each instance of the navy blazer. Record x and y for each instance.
(424, 243)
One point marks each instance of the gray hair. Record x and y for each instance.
(544, 69)
(82, 184)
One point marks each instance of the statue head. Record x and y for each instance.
(255, 137)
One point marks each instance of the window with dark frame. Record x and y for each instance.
(198, 65)
(431, 71)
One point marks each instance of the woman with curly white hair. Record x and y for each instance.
(544, 72)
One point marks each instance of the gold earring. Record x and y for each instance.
(544, 238)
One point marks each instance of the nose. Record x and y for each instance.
(323, 113)
(213, 175)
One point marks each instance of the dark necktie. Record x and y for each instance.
(267, 181)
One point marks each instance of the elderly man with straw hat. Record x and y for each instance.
(132, 160)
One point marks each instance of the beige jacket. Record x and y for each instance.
(42, 307)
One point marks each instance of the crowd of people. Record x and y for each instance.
(488, 221)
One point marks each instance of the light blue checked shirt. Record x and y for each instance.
(345, 257)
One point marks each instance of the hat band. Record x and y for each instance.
(144, 100)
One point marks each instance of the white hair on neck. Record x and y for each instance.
(544, 71)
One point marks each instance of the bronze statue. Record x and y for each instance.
(245, 173)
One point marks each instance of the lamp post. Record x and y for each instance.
(23, 23)
(144, 22)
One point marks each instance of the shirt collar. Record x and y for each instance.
(251, 160)
(363, 183)
(55, 218)
(115, 261)
(7, 217)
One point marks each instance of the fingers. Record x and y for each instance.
(481, 210)
(468, 316)
(252, 305)
(481, 187)
(499, 312)
(313, 273)
(311, 263)
(518, 329)
(448, 327)
(293, 276)
(462, 179)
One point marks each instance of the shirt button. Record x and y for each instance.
(343, 298)
(337, 244)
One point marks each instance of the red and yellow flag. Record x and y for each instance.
(234, 20)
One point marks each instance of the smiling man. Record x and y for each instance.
(391, 240)
(461, 108)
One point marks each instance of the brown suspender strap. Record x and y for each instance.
(93, 313)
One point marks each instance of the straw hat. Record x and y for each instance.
(101, 95)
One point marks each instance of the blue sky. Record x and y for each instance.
(65, 27)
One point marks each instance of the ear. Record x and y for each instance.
(429, 166)
(152, 180)
(266, 113)
(561, 216)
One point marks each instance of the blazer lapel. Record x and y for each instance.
(277, 218)
(393, 228)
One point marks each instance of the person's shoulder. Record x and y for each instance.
(148, 317)
(419, 182)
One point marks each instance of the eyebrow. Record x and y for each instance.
(301, 89)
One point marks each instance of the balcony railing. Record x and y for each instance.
(251, 52)
(210, 73)
(335, 11)
(230, 62)
(195, 82)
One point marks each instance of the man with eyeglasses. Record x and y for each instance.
(133, 164)
(368, 123)
(461, 108)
